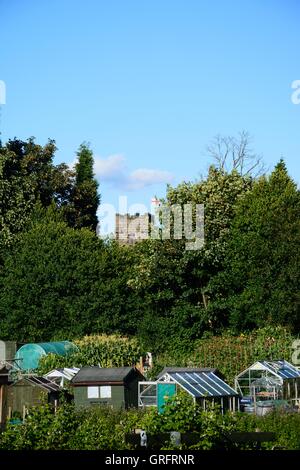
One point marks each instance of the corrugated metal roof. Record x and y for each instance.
(201, 384)
(96, 374)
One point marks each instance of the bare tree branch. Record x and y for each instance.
(235, 153)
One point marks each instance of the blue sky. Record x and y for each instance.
(150, 83)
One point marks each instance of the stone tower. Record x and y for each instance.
(132, 228)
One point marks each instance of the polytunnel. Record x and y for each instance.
(28, 356)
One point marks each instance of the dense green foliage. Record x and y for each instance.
(229, 353)
(286, 427)
(28, 175)
(174, 282)
(58, 280)
(104, 428)
(46, 283)
(260, 280)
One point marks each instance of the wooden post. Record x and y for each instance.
(55, 406)
(24, 412)
(1, 402)
(9, 412)
(233, 403)
(222, 405)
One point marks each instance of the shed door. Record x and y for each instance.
(163, 392)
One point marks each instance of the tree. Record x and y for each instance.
(46, 281)
(17, 196)
(85, 197)
(51, 182)
(174, 283)
(57, 282)
(219, 192)
(260, 281)
(231, 153)
(28, 175)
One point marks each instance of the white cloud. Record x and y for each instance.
(146, 177)
(113, 169)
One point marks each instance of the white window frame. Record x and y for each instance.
(105, 391)
(93, 392)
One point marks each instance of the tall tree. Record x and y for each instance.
(172, 281)
(17, 196)
(28, 175)
(260, 282)
(85, 197)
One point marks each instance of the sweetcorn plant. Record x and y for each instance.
(103, 350)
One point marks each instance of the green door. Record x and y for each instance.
(163, 392)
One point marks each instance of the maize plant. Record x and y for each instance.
(102, 350)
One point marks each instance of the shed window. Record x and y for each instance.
(105, 391)
(93, 392)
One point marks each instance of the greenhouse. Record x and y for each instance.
(28, 356)
(202, 384)
(270, 380)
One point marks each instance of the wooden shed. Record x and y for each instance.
(4, 382)
(7, 354)
(115, 386)
(27, 392)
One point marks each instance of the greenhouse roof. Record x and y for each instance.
(186, 369)
(41, 382)
(281, 368)
(202, 384)
(66, 373)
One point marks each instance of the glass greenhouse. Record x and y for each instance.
(270, 380)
